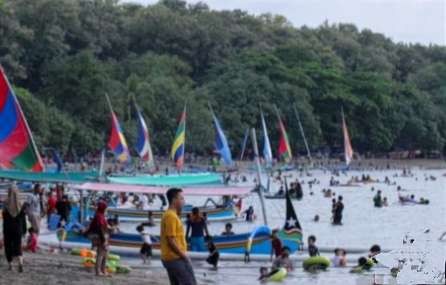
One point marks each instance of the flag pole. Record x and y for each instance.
(259, 184)
(302, 133)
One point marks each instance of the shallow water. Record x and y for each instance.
(363, 224)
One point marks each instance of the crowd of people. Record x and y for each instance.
(19, 211)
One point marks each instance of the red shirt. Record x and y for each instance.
(32, 243)
(51, 204)
(276, 243)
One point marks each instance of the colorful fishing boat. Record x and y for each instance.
(136, 215)
(214, 213)
(256, 242)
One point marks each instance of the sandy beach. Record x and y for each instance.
(63, 268)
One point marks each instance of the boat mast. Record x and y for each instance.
(259, 184)
(296, 113)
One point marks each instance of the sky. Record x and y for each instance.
(409, 21)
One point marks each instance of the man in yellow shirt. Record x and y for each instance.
(173, 242)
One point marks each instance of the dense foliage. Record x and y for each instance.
(64, 55)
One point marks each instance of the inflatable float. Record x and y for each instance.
(316, 263)
(279, 275)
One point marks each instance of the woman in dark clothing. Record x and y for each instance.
(14, 227)
(63, 208)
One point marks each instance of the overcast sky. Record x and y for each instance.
(415, 21)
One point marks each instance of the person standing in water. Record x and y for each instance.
(339, 208)
(173, 242)
(377, 200)
(196, 226)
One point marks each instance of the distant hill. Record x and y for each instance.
(64, 55)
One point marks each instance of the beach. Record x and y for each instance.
(363, 226)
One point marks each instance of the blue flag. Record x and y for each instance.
(221, 143)
(57, 160)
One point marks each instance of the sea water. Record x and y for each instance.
(363, 224)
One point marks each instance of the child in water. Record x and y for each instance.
(339, 259)
(312, 248)
(214, 255)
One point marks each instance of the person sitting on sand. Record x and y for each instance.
(339, 259)
(312, 248)
(283, 261)
(214, 255)
(228, 230)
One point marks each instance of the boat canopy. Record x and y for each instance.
(169, 180)
(191, 191)
(69, 177)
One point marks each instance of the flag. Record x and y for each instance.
(348, 150)
(17, 147)
(57, 160)
(143, 142)
(221, 143)
(284, 150)
(292, 229)
(117, 142)
(177, 152)
(267, 152)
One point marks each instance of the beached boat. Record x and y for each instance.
(256, 242)
(213, 213)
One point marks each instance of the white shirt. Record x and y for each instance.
(146, 237)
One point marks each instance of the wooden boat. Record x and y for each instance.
(213, 213)
(257, 242)
(129, 214)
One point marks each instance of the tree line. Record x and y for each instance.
(64, 55)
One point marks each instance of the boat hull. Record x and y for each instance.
(213, 214)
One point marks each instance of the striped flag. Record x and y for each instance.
(143, 141)
(117, 142)
(17, 147)
(284, 150)
(177, 152)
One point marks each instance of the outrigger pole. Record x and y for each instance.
(259, 184)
